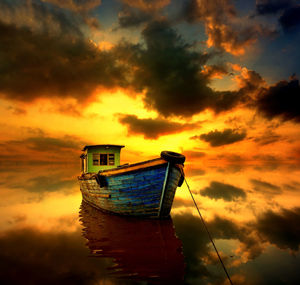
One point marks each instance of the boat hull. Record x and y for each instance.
(145, 189)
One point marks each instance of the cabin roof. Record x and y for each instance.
(102, 145)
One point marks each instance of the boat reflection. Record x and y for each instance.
(142, 250)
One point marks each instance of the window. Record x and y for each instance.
(95, 158)
(103, 159)
(111, 159)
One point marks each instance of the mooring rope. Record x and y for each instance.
(210, 237)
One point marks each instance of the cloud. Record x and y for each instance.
(196, 244)
(191, 154)
(153, 128)
(44, 53)
(17, 111)
(169, 72)
(133, 17)
(33, 181)
(225, 30)
(282, 228)
(76, 5)
(39, 146)
(265, 7)
(227, 192)
(197, 250)
(288, 11)
(44, 143)
(218, 138)
(146, 5)
(249, 80)
(290, 19)
(82, 8)
(214, 71)
(47, 183)
(268, 137)
(194, 171)
(265, 187)
(41, 18)
(181, 202)
(281, 100)
(35, 254)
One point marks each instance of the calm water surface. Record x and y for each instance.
(48, 236)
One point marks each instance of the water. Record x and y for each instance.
(48, 236)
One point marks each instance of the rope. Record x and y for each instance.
(210, 237)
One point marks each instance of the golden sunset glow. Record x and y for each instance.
(217, 81)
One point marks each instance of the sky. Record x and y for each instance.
(214, 80)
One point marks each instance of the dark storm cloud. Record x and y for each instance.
(265, 187)
(153, 128)
(264, 7)
(45, 53)
(282, 228)
(227, 192)
(290, 18)
(44, 258)
(170, 73)
(218, 138)
(281, 100)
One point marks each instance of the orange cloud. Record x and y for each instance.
(214, 71)
(224, 28)
(40, 147)
(224, 37)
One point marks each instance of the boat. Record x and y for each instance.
(142, 250)
(143, 189)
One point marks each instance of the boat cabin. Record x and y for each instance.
(100, 157)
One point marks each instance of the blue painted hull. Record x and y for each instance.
(148, 191)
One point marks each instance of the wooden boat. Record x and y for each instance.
(143, 250)
(143, 189)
